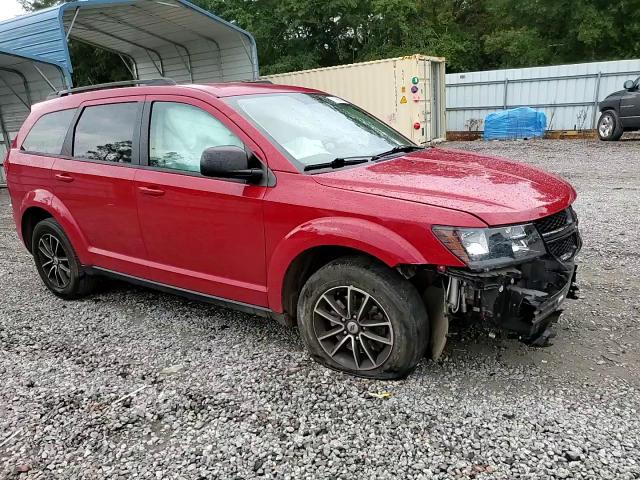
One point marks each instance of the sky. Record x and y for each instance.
(9, 9)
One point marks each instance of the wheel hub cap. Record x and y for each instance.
(606, 126)
(54, 261)
(353, 328)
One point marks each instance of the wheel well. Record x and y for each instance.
(305, 265)
(31, 217)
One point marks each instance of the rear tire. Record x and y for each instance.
(382, 332)
(57, 262)
(610, 126)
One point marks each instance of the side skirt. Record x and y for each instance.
(200, 297)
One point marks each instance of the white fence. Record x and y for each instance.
(568, 94)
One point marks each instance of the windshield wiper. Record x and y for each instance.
(342, 162)
(398, 149)
(338, 163)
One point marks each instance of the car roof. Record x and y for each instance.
(219, 90)
(249, 88)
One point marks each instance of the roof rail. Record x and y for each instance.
(125, 83)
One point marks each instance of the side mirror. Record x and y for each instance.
(629, 85)
(228, 161)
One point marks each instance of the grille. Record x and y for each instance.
(553, 222)
(565, 248)
(562, 246)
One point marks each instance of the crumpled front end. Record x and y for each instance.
(524, 298)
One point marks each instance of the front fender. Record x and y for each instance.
(612, 103)
(47, 201)
(355, 233)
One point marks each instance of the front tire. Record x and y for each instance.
(361, 317)
(57, 262)
(610, 126)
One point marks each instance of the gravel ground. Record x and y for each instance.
(133, 383)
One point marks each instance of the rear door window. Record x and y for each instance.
(106, 132)
(48, 133)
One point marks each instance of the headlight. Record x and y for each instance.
(482, 248)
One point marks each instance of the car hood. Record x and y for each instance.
(495, 190)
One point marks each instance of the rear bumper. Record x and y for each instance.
(524, 299)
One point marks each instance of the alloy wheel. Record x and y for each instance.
(353, 328)
(54, 261)
(606, 126)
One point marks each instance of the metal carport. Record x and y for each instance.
(155, 38)
(24, 80)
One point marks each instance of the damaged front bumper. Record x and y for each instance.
(524, 299)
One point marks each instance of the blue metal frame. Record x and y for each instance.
(5, 139)
(35, 58)
(254, 47)
(18, 42)
(12, 53)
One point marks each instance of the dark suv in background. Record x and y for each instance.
(620, 112)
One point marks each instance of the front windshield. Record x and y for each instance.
(313, 128)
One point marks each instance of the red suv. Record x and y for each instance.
(293, 204)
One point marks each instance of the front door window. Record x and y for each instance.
(179, 134)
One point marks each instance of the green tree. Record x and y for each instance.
(295, 34)
(31, 5)
(471, 34)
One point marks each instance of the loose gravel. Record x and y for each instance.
(133, 383)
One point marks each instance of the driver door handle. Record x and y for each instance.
(64, 177)
(152, 191)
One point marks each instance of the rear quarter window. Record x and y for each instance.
(48, 133)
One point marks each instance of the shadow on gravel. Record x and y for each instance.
(469, 345)
(626, 137)
(183, 312)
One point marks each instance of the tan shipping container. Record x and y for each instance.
(408, 93)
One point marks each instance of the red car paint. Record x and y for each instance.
(236, 241)
(497, 191)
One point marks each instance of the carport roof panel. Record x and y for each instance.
(38, 34)
(18, 60)
(25, 80)
(122, 26)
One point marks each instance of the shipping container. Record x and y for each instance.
(407, 93)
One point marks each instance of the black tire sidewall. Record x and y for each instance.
(50, 226)
(395, 295)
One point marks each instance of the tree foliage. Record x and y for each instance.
(471, 34)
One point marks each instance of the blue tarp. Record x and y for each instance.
(523, 122)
